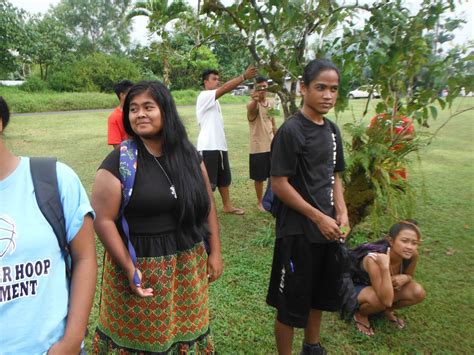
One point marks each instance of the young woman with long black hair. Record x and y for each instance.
(158, 304)
(384, 275)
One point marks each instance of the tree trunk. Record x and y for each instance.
(288, 98)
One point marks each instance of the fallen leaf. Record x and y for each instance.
(427, 251)
(466, 226)
(450, 251)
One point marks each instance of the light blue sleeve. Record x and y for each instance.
(74, 199)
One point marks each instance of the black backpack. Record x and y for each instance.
(45, 183)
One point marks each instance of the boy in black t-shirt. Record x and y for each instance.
(307, 157)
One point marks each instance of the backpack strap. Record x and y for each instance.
(128, 170)
(45, 184)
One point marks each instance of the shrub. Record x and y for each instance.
(34, 84)
(96, 72)
(62, 81)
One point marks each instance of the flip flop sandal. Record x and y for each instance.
(368, 328)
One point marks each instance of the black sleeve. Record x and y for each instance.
(111, 162)
(286, 147)
(340, 163)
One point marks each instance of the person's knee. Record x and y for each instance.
(418, 293)
(375, 304)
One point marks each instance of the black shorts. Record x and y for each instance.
(217, 166)
(304, 276)
(259, 164)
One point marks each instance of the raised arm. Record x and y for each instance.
(83, 282)
(106, 199)
(290, 197)
(233, 83)
(252, 107)
(215, 265)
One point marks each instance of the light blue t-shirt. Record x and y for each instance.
(33, 285)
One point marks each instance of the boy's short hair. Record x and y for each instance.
(122, 87)
(261, 79)
(4, 112)
(315, 67)
(207, 72)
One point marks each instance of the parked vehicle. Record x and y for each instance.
(240, 90)
(363, 92)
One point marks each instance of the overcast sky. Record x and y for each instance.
(139, 33)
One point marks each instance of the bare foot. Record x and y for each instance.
(363, 325)
(234, 210)
(400, 323)
(261, 208)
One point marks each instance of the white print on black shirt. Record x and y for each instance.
(334, 156)
(282, 280)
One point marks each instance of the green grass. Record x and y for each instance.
(46, 101)
(241, 321)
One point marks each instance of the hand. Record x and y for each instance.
(328, 227)
(63, 347)
(382, 260)
(398, 281)
(215, 266)
(343, 222)
(139, 290)
(255, 95)
(250, 72)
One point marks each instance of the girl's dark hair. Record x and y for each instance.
(409, 224)
(315, 67)
(180, 156)
(4, 112)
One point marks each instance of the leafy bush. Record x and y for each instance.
(34, 84)
(96, 72)
(62, 81)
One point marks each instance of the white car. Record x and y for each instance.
(240, 90)
(363, 92)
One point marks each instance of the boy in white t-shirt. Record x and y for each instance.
(211, 140)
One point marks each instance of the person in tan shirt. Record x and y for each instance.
(262, 128)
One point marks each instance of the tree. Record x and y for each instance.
(161, 13)
(400, 52)
(394, 48)
(276, 33)
(11, 35)
(46, 44)
(95, 25)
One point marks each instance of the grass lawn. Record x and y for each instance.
(241, 321)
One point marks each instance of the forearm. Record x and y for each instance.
(113, 244)
(83, 285)
(290, 197)
(384, 288)
(339, 203)
(229, 86)
(252, 109)
(213, 224)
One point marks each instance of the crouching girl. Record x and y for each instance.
(384, 275)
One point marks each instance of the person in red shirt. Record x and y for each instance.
(115, 130)
(399, 129)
